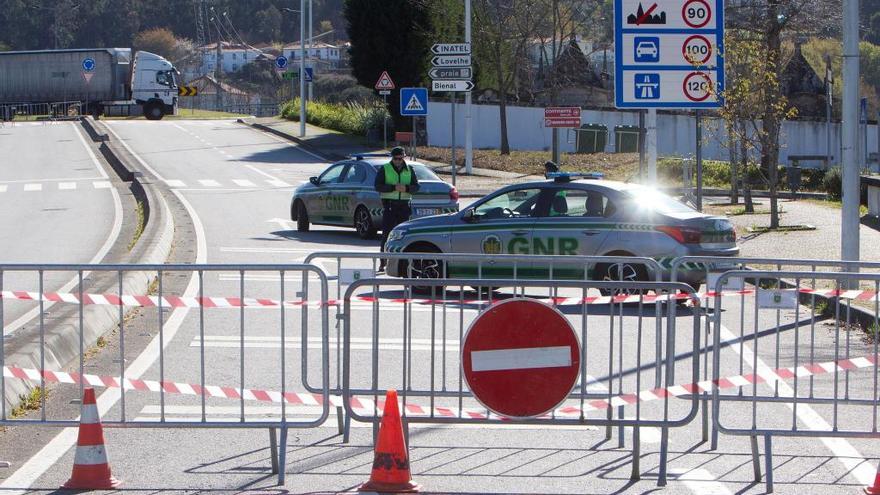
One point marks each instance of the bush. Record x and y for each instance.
(715, 173)
(334, 88)
(832, 183)
(350, 118)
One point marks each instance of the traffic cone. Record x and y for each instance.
(390, 462)
(91, 471)
(875, 488)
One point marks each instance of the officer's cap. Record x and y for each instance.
(397, 151)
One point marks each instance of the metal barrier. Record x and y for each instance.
(60, 110)
(613, 342)
(815, 371)
(206, 378)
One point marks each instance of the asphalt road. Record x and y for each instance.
(236, 183)
(60, 206)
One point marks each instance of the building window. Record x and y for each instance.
(234, 67)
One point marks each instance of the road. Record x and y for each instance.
(60, 206)
(236, 184)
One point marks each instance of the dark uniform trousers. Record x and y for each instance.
(394, 213)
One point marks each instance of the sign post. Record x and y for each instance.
(556, 117)
(384, 85)
(521, 358)
(451, 73)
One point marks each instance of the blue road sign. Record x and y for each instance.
(647, 86)
(414, 101)
(647, 49)
(88, 64)
(281, 62)
(309, 74)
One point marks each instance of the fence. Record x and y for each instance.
(61, 110)
(433, 390)
(99, 291)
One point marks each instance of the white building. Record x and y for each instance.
(233, 56)
(320, 53)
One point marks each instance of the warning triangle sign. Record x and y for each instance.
(414, 105)
(384, 81)
(88, 76)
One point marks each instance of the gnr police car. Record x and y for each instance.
(344, 195)
(563, 216)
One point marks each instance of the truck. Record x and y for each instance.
(99, 79)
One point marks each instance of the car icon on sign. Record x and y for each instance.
(646, 49)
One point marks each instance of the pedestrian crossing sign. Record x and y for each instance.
(413, 102)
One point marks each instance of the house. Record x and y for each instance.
(234, 56)
(214, 94)
(320, 54)
(804, 88)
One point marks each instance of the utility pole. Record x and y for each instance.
(849, 248)
(829, 81)
(311, 62)
(468, 123)
(302, 68)
(651, 144)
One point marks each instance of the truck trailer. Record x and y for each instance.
(98, 78)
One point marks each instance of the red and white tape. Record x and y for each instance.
(366, 406)
(236, 302)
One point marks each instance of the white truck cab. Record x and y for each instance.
(154, 84)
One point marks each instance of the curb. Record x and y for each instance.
(62, 337)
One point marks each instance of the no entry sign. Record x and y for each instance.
(521, 358)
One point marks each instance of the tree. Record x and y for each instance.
(160, 41)
(389, 35)
(268, 24)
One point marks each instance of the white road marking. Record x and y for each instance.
(357, 344)
(2, 187)
(244, 183)
(278, 183)
(699, 481)
(521, 359)
(269, 250)
(63, 186)
(260, 277)
(102, 184)
(175, 183)
(33, 187)
(209, 183)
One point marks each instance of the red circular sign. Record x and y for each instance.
(696, 13)
(696, 49)
(697, 89)
(520, 358)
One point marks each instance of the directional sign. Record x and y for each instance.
(451, 49)
(281, 62)
(414, 102)
(520, 358)
(187, 91)
(88, 64)
(562, 117)
(670, 53)
(384, 82)
(450, 73)
(452, 86)
(287, 76)
(451, 61)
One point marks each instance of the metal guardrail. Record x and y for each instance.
(804, 372)
(226, 373)
(423, 362)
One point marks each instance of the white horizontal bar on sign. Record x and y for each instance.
(521, 359)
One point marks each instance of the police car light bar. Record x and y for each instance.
(361, 156)
(568, 176)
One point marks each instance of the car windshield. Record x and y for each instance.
(646, 198)
(422, 172)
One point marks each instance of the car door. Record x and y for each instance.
(574, 223)
(500, 224)
(320, 205)
(355, 188)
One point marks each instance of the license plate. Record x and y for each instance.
(424, 212)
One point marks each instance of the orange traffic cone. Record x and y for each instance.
(875, 488)
(391, 461)
(91, 471)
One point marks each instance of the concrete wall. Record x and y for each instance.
(676, 133)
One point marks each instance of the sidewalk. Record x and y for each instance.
(337, 146)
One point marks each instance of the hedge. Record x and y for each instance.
(350, 118)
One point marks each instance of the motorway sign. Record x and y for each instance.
(281, 62)
(456, 86)
(520, 358)
(451, 61)
(562, 117)
(384, 82)
(450, 73)
(670, 53)
(414, 102)
(451, 49)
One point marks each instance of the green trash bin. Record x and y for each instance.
(626, 139)
(591, 138)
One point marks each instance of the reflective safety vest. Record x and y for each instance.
(392, 178)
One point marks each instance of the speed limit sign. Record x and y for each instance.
(697, 86)
(696, 13)
(697, 49)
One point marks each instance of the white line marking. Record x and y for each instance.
(175, 183)
(2, 187)
(284, 250)
(102, 184)
(699, 481)
(79, 133)
(33, 187)
(209, 183)
(244, 183)
(278, 183)
(521, 359)
(65, 186)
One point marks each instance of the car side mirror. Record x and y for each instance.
(469, 216)
(313, 180)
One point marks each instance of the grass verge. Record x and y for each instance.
(139, 229)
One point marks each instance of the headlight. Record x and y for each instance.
(397, 234)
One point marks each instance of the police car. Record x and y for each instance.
(344, 195)
(570, 214)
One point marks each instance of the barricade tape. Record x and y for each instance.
(236, 302)
(367, 406)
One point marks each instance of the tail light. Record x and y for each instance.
(453, 194)
(684, 235)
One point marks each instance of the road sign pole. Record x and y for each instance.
(556, 146)
(385, 124)
(452, 98)
(651, 138)
(699, 160)
(849, 248)
(642, 146)
(302, 68)
(414, 139)
(468, 123)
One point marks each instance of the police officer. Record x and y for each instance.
(396, 182)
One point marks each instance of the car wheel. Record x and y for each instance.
(302, 217)
(424, 268)
(363, 223)
(621, 272)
